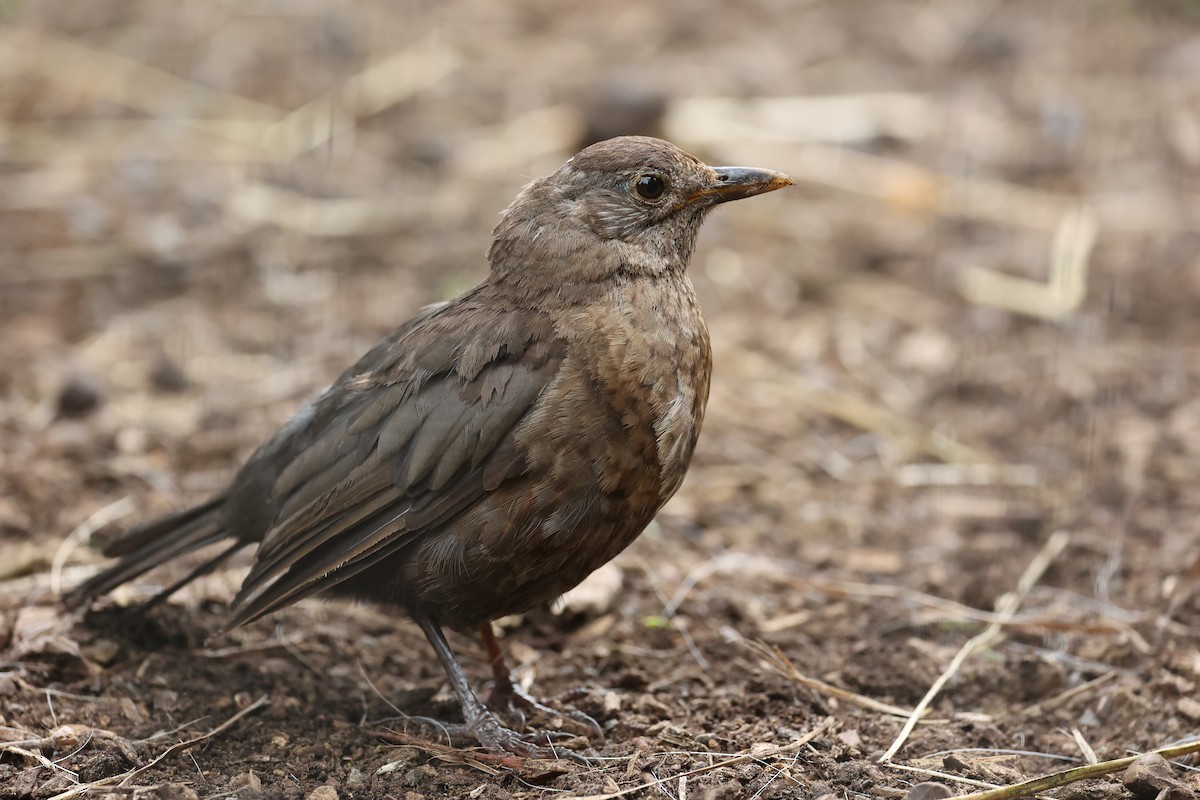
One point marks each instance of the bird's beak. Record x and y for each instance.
(734, 183)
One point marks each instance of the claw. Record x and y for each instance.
(499, 739)
(481, 722)
(501, 743)
(512, 701)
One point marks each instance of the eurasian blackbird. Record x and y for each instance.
(494, 450)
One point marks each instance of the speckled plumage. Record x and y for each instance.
(493, 451)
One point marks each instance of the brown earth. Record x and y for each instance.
(891, 445)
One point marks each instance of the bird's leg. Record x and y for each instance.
(505, 695)
(482, 724)
(508, 696)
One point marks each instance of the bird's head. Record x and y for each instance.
(633, 204)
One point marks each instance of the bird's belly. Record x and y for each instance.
(594, 482)
(498, 578)
(542, 539)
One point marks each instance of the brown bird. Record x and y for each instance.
(494, 450)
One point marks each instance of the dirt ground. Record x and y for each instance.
(956, 400)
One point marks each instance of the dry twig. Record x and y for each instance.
(82, 533)
(1076, 774)
(1006, 607)
(784, 666)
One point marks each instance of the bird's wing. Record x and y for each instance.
(399, 449)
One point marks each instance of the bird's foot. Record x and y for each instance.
(502, 743)
(517, 706)
(497, 738)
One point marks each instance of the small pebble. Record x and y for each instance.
(79, 396)
(102, 651)
(1147, 777)
(167, 376)
(175, 791)
(247, 780)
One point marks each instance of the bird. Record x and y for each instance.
(494, 450)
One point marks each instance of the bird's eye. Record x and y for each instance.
(650, 186)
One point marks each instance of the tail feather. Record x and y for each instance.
(149, 533)
(147, 546)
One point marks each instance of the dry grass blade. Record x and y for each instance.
(1089, 755)
(487, 763)
(1006, 607)
(775, 659)
(17, 750)
(1076, 774)
(108, 514)
(1064, 697)
(111, 781)
(1056, 299)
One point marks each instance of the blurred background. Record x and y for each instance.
(973, 323)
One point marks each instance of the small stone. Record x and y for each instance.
(167, 376)
(323, 793)
(850, 738)
(1148, 776)
(419, 775)
(164, 699)
(597, 594)
(247, 780)
(1189, 707)
(953, 762)
(131, 712)
(79, 395)
(355, 778)
(66, 737)
(929, 791)
(102, 651)
(175, 791)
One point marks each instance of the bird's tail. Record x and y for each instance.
(147, 546)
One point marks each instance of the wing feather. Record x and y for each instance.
(396, 453)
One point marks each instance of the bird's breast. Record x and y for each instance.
(640, 363)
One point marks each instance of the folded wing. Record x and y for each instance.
(399, 449)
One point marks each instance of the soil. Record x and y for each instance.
(893, 463)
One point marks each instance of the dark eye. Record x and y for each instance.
(650, 186)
